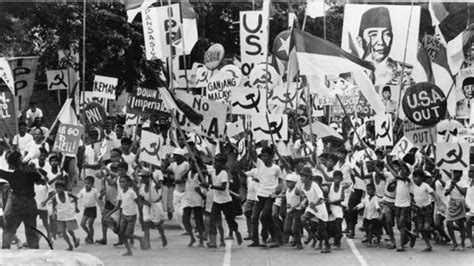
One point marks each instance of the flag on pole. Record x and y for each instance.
(452, 31)
(189, 26)
(6, 74)
(173, 103)
(67, 114)
(316, 56)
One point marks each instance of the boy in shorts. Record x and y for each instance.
(91, 198)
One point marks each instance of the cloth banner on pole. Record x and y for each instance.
(150, 147)
(383, 130)
(452, 156)
(24, 73)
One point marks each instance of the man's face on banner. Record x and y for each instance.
(467, 90)
(376, 43)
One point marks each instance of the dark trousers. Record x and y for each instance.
(352, 213)
(263, 209)
(292, 225)
(228, 210)
(20, 210)
(198, 218)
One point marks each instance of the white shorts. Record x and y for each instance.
(154, 213)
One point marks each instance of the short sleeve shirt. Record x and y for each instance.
(129, 207)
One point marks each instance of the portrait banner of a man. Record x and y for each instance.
(378, 34)
(464, 93)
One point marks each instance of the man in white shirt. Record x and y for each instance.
(403, 206)
(33, 113)
(21, 140)
(269, 178)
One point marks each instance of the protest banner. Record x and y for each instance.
(262, 76)
(403, 146)
(89, 98)
(214, 113)
(420, 136)
(452, 156)
(285, 95)
(7, 112)
(68, 139)
(57, 79)
(24, 74)
(276, 126)
(214, 56)
(248, 101)
(235, 72)
(463, 92)
(383, 130)
(145, 102)
(424, 104)
(220, 86)
(105, 87)
(94, 114)
(150, 147)
(253, 46)
(451, 131)
(169, 27)
(151, 34)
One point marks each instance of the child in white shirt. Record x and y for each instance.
(91, 198)
(372, 212)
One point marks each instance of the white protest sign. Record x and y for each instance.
(383, 130)
(262, 76)
(151, 34)
(248, 101)
(419, 135)
(214, 113)
(276, 126)
(57, 79)
(284, 95)
(105, 87)
(169, 22)
(220, 85)
(252, 40)
(403, 146)
(234, 71)
(150, 147)
(452, 156)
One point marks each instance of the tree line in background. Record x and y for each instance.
(116, 48)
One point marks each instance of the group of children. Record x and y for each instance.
(290, 198)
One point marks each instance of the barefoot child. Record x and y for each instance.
(424, 209)
(153, 214)
(372, 212)
(128, 203)
(65, 210)
(91, 198)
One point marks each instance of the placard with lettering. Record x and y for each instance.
(214, 113)
(145, 102)
(105, 87)
(68, 139)
(253, 46)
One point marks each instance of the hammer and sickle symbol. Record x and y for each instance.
(288, 99)
(58, 80)
(154, 151)
(456, 157)
(253, 102)
(387, 131)
(274, 128)
(266, 77)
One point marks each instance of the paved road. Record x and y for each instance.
(177, 253)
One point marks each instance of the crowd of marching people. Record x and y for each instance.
(288, 197)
